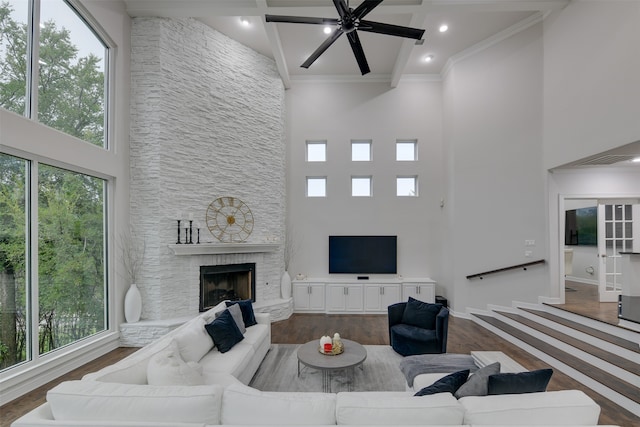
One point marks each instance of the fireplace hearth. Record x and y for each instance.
(226, 282)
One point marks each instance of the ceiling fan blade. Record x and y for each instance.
(391, 30)
(365, 7)
(320, 50)
(301, 20)
(358, 52)
(342, 7)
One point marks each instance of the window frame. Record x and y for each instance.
(309, 143)
(309, 178)
(415, 185)
(362, 177)
(414, 142)
(367, 142)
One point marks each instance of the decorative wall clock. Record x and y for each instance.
(229, 219)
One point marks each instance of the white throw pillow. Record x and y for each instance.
(168, 368)
(194, 341)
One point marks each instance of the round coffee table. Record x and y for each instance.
(309, 355)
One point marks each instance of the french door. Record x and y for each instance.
(615, 227)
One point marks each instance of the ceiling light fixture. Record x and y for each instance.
(245, 21)
(636, 160)
(328, 30)
(428, 58)
(443, 28)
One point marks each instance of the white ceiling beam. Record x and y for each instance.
(276, 46)
(417, 21)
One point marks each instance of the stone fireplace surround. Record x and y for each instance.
(267, 296)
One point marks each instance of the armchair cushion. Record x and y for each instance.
(421, 314)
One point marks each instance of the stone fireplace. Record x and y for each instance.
(226, 282)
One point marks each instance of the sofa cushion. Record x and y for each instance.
(478, 383)
(520, 382)
(193, 340)
(168, 368)
(565, 407)
(246, 405)
(247, 311)
(236, 313)
(397, 408)
(421, 314)
(224, 331)
(93, 400)
(233, 362)
(447, 384)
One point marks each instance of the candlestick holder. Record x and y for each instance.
(191, 232)
(198, 242)
(178, 242)
(186, 232)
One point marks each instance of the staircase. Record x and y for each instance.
(601, 356)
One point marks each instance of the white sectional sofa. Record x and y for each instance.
(120, 395)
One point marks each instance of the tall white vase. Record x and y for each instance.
(132, 304)
(285, 285)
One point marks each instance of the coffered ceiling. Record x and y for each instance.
(472, 24)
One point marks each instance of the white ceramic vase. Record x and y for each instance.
(285, 285)
(132, 304)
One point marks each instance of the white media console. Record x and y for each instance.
(353, 296)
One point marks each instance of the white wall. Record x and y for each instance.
(493, 138)
(591, 79)
(338, 113)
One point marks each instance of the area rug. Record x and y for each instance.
(279, 372)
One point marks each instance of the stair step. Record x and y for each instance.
(605, 378)
(612, 358)
(613, 339)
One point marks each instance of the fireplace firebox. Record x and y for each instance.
(226, 282)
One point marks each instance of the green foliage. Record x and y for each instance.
(71, 261)
(70, 89)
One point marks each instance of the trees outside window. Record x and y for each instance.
(52, 71)
(70, 69)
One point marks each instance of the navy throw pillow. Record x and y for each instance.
(421, 314)
(247, 311)
(224, 332)
(449, 384)
(520, 382)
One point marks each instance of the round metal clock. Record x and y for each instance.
(229, 219)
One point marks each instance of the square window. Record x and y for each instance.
(317, 186)
(407, 186)
(316, 151)
(407, 151)
(361, 186)
(361, 151)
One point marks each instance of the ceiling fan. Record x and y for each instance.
(349, 22)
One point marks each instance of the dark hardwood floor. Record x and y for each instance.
(464, 336)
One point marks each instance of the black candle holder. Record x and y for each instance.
(198, 242)
(191, 232)
(178, 242)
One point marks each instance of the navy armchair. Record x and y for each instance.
(417, 327)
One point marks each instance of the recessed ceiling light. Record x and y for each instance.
(327, 30)
(443, 28)
(636, 160)
(428, 58)
(245, 21)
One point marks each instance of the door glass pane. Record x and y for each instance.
(608, 232)
(607, 212)
(628, 232)
(14, 318)
(71, 257)
(618, 230)
(13, 54)
(627, 212)
(71, 87)
(617, 212)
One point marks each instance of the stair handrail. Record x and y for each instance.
(513, 267)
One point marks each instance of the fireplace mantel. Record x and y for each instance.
(223, 248)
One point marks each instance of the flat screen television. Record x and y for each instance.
(363, 254)
(581, 227)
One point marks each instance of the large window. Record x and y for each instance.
(14, 277)
(70, 255)
(63, 83)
